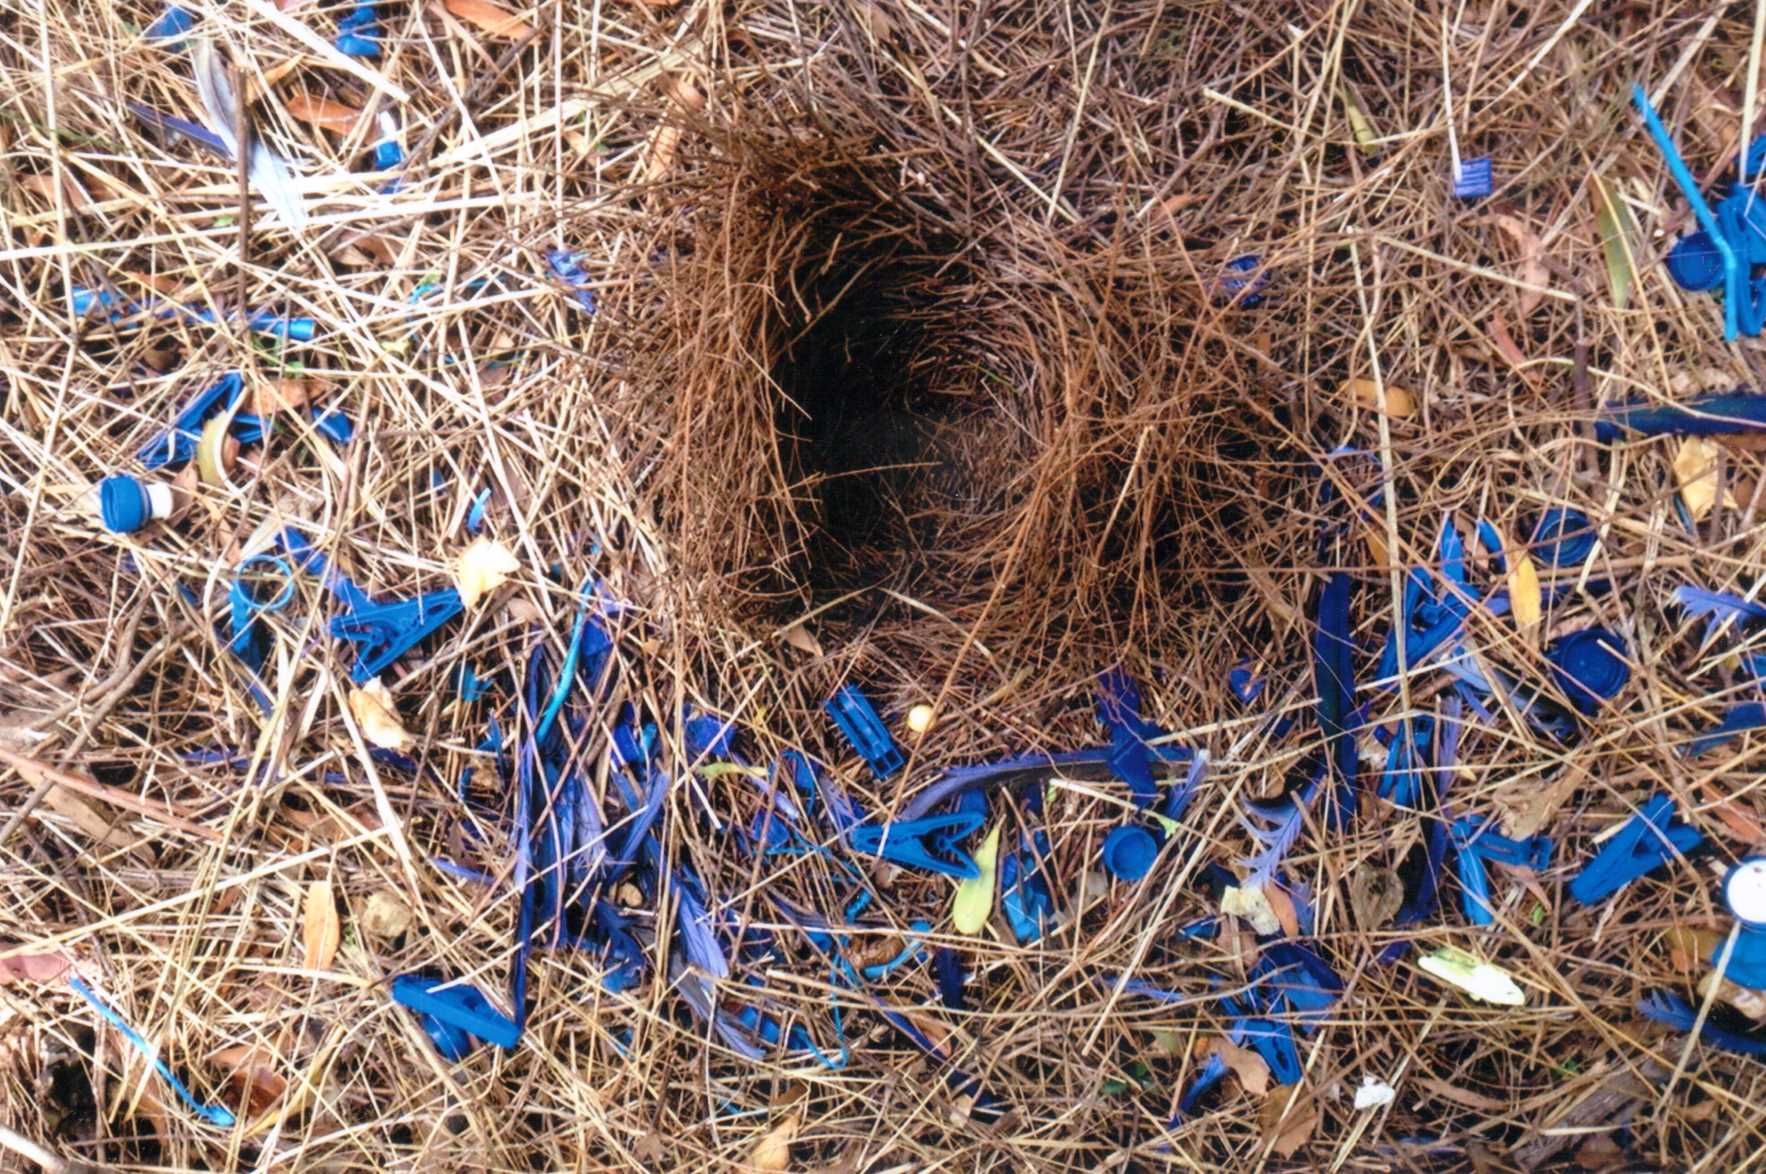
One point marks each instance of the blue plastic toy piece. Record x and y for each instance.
(1564, 537)
(244, 608)
(1475, 179)
(858, 722)
(1129, 852)
(384, 632)
(358, 33)
(1720, 1030)
(475, 515)
(567, 267)
(1236, 280)
(462, 1006)
(178, 446)
(1474, 842)
(1735, 275)
(123, 505)
(1648, 840)
(928, 843)
(1695, 264)
(1024, 892)
(1744, 892)
(1589, 666)
(172, 24)
(1119, 712)
(1244, 683)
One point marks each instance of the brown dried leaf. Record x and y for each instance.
(252, 1075)
(802, 639)
(1740, 821)
(1366, 393)
(33, 967)
(279, 395)
(1286, 1129)
(323, 112)
(774, 1150)
(1251, 1069)
(1533, 269)
(493, 20)
(1689, 946)
(374, 711)
(1375, 896)
(321, 933)
(1283, 907)
(385, 915)
(1695, 470)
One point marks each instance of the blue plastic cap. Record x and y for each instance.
(1129, 852)
(122, 503)
(1589, 667)
(1694, 262)
(1564, 537)
(1474, 180)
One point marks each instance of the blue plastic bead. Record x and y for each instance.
(1589, 667)
(1129, 852)
(122, 503)
(1694, 262)
(1475, 180)
(853, 714)
(1744, 892)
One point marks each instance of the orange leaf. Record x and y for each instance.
(1399, 401)
(333, 116)
(279, 395)
(320, 931)
(1251, 1069)
(491, 19)
(1285, 1128)
(253, 1077)
(1283, 907)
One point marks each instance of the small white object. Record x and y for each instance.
(159, 499)
(1745, 890)
(1471, 974)
(920, 718)
(1253, 906)
(1373, 1093)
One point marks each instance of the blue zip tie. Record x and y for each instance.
(859, 724)
(213, 1114)
(1735, 277)
(1649, 840)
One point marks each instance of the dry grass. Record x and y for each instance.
(909, 332)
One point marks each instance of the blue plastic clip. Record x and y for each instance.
(1564, 537)
(462, 1006)
(867, 734)
(358, 33)
(178, 446)
(386, 631)
(1744, 892)
(1735, 277)
(1475, 179)
(1589, 667)
(1473, 843)
(1648, 840)
(1721, 1030)
(1235, 280)
(1024, 893)
(928, 843)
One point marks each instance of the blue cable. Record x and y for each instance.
(213, 1114)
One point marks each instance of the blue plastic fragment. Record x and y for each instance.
(171, 25)
(460, 1005)
(1695, 264)
(475, 515)
(1475, 179)
(1589, 666)
(1244, 684)
(1716, 414)
(1749, 715)
(864, 731)
(1493, 544)
(358, 32)
(963, 779)
(1236, 280)
(1333, 675)
(567, 267)
(1564, 537)
(1024, 891)
(928, 843)
(383, 632)
(171, 125)
(1129, 852)
(1474, 842)
(1719, 1030)
(1649, 840)
(1735, 277)
(1119, 712)
(1744, 887)
(1293, 979)
(244, 607)
(214, 1114)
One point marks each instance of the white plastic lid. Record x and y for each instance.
(1744, 890)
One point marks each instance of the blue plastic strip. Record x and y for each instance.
(213, 1114)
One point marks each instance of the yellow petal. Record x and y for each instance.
(374, 711)
(1523, 592)
(1473, 975)
(1365, 392)
(1695, 468)
(482, 568)
(974, 899)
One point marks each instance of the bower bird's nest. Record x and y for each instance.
(605, 387)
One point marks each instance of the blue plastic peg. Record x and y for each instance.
(1648, 840)
(383, 632)
(928, 843)
(858, 722)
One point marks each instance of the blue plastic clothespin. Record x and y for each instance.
(1744, 892)
(462, 1007)
(929, 842)
(1589, 667)
(1735, 275)
(358, 32)
(858, 722)
(1475, 179)
(384, 632)
(1236, 279)
(1648, 840)
(1474, 842)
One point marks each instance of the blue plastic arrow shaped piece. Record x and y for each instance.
(1649, 839)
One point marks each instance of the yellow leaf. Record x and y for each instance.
(1695, 468)
(1358, 122)
(774, 1150)
(374, 711)
(320, 932)
(1523, 591)
(974, 901)
(1617, 230)
(1472, 974)
(490, 19)
(482, 568)
(1399, 401)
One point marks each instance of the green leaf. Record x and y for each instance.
(974, 901)
(1359, 126)
(1617, 230)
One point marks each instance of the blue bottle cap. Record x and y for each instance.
(1694, 262)
(1129, 852)
(1589, 667)
(1564, 537)
(123, 504)
(1474, 180)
